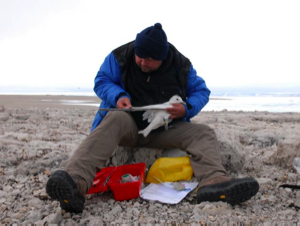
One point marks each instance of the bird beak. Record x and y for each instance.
(183, 102)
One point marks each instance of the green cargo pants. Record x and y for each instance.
(119, 129)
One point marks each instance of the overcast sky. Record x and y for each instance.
(230, 42)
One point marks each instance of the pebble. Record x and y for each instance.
(34, 216)
(116, 209)
(3, 193)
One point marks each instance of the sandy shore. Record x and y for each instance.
(37, 133)
(46, 101)
(52, 101)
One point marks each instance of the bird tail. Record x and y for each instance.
(145, 132)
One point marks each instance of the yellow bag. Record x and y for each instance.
(170, 169)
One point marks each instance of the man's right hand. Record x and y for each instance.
(124, 103)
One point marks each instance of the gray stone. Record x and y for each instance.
(35, 202)
(4, 117)
(34, 216)
(263, 180)
(54, 218)
(3, 193)
(115, 210)
(5, 162)
(21, 117)
(15, 192)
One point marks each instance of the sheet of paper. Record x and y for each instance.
(166, 193)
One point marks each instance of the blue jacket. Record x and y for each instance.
(109, 87)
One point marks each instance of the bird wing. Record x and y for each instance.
(162, 115)
(148, 107)
(149, 115)
(155, 106)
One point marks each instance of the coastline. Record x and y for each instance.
(272, 104)
(40, 101)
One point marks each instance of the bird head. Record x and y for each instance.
(176, 100)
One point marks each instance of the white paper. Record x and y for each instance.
(166, 193)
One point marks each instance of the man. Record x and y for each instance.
(148, 71)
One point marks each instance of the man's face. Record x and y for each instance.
(147, 65)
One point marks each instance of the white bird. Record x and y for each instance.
(160, 116)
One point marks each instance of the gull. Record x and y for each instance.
(156, 115)
(159, 117)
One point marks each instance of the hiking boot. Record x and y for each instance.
(69, 190)
(233, 191)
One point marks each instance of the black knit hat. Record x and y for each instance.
(152, 42)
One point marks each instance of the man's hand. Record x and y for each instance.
(177, 111)
(124, 103)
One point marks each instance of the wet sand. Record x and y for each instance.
(46, 101)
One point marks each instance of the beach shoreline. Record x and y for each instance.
(47, 101)
(54, 101)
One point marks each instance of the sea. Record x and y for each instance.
(256, 98)
(254, 103)
(243, 99)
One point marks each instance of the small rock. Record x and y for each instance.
(263, 180)
(7, 188)
(197, 217)
(18, 186)
(115, 210)
(34, 216)
(36, 193)
(15, 192)
(53, 218)
(47, 172)
(3, 193)
(4, 117)
(151, 208)
(35, 202)
(21, 117)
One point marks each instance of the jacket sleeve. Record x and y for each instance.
(108, 83)
(197, 94)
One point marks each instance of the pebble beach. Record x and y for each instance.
(38, 133)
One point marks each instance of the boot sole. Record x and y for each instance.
(62, 187)
(235, 191)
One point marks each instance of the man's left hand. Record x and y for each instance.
(177, 111)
